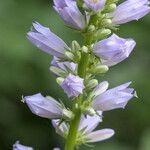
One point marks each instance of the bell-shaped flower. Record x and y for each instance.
(85, 130)
(18, 146)
(130, 10)
(113, 49)
(46, 107)
(63, 65)
(73, 85)
(95, 4)
(46, 40)
(114, 98)
(70, 13)
(88, 124)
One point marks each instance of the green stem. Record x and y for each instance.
(71, 140)
(72, 135)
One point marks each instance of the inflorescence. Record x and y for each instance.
(76, 66)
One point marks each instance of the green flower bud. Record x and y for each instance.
(58, 71)
(59, 80)
(91, 28)
(92, 83)
(110, 8)
(67, 114)
(84, 49)
(75, 46)
(90, 111)
(99, 69)
(69, 55)
(106, 22)
(101, 34)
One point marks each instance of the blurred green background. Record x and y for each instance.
(24, 70)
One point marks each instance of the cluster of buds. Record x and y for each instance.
(75, 67)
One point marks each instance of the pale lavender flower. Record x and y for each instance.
(114, 98)
(46, 107)
(62, 65)
(70, 13)
(114, 49)
(18, 146)
(95, 4)
(86, 127)
(73, 85)
(88, 124)
(47, 41)
(130, 10)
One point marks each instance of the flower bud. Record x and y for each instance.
(84, 49)
(110, 8)
(101, 34)
(69, 55)
(73, 85)
(57, 71)
(75, 46)
(67, 114)
(91, 28)
(106, 22)
(100, 69)
(92, 83)
(90, 111)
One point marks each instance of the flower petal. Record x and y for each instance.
(100, 135)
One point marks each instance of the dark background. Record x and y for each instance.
(24, 70)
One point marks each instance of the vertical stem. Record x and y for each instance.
(71, 140)
(74, 124)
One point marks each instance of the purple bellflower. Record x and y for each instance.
(86, 127)
(95, 4)
(62, 65)
(114, 98)
(70, 13)
(88, 124)
(130, 10)
(73, 85)
(18, 146)
(46, 107)
(113, 49)
(47, 41)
